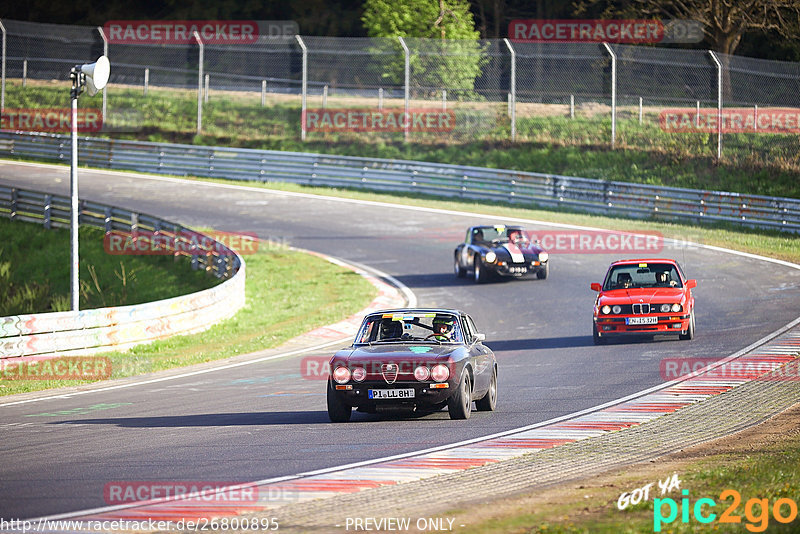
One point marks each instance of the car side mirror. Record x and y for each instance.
(691, 284)
(596, 287)
(480, 337)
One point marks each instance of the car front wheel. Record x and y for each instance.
(479, 272)
(543, 273)
(596, 336)
(338, 410)
(690, 330)
(459, 270)
(460, 404)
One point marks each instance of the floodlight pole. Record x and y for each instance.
(75, 75)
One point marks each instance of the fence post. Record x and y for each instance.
(613, 94)
(304, 87)
(380, 98)
(513, 90)
(205, 93)
(640, 111)
(199, 84)
(146, 79)
(406, 84)
(3, 68)
(105, 53)
(755, 118)
(24, 73)
(48, 201)
(263, 93)
(325, 97)
(444, 99)
(571, 106)
(719, 103)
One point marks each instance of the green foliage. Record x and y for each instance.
(35, 272)
(452, 61)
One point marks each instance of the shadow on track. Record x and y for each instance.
(210, 420)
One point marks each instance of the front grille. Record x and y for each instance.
(641, 309)
(389, 372)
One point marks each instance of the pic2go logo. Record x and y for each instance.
(756, 511)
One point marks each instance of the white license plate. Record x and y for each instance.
(641, 320)
(391, 393)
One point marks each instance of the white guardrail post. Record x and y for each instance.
(613, 94)
(719, 103)
(513, 89)
(303, 88)
(199, 84)
(105, 87)
(406, 87)
(3, 68)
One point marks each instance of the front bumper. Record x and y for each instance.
(518, 269)
(614, 325)
(356, 394)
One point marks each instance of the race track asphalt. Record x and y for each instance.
(264, 420)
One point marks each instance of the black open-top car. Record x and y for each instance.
(500, 250)
(413, 359)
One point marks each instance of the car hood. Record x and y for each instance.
(509, 250)
(390, 352)
(659, 295)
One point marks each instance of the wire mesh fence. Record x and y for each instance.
(662, 100)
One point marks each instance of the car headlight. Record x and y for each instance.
(617, 309)
(359, 374)
(491, 256)
(543, 256)
(421, 373)
(676, 307)
(606, 309)
(440, 373)
(341, 374)
(665, 308)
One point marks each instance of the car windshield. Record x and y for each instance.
(642, 275)
(410, 327)
(499, 234)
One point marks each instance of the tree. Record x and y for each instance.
(444, 51)
(444, 19)
(726, 21)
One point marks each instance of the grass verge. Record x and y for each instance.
(35, 274)
(759, 463)
(547, 139)
(288, 293)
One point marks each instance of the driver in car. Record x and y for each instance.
(443, 328)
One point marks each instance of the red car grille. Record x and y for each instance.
(641, 309)
(389, 372)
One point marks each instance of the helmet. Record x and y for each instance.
(443, 325)
(391, 329)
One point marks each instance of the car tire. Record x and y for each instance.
(479, 272)
(459, 270)
(596, 337)
(689, 335)
(489, 401)
(460, 404)
(338, 411)
(542, 274)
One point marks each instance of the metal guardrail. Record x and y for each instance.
(454, 181)
(87, 331)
